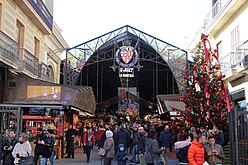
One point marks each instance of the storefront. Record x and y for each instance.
(46, 105)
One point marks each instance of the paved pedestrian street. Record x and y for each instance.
(80, 158)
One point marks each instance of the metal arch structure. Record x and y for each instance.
(78, 56)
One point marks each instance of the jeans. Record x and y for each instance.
(88, 151)
(44, 160)
(135, 151)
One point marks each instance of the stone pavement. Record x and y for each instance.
(80, 159)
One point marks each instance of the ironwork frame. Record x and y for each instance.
(79, 56)
(7, 115)
(239, 136)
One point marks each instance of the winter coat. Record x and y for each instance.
(219, 138)
(23, 149)
(135, 138)
(88, 137)
(214, 159)
(123, 137)
(196, 153)
(110, 147)
(8, 159)
(100, 133)
(39, 147)
(153, 148)
(166, 139)
(121, 157)
(141, 143)
(48, 147)
(182, 148)
(70, 140)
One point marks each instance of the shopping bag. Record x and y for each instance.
(102, 152)
(29, 160)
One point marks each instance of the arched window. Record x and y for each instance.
(50, 73)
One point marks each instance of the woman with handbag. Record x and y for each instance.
(109, 146)
(89, 141)
(48, 151)
(22, 149)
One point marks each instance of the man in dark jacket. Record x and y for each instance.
(123, 137)
(39, 147)
(166, 140)
(134, 144)
(70, 134)
(7, 148)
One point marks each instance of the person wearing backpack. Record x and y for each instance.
(152, 154)
(182, 148)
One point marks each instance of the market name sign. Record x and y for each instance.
(126, 72)
(43, 92)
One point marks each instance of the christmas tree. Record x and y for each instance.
(206, 98)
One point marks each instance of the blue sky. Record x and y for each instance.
(173, 21)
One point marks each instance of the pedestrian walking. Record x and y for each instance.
(39, 147)
(89, 141)
(70, 135)
(48, 152)
(152, 155)
(22, 148)
(121, 155)
(166, 140)
(109, 147)
(214, 152)
(196, 151)
(7, 148)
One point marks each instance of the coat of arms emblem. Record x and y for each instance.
(126, 53)
(126, 56)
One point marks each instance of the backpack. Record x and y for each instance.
(147, 154)
(182, 154)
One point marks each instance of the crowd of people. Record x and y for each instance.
(15, 149)
(145, 144)
(140, 143)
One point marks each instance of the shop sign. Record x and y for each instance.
(43, 92)
(126, 72)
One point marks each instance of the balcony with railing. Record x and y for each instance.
(215, 12)
(9, 50)
(235, 64)
(30, 62)
(44, 72)
(38, 13)
(220, 13)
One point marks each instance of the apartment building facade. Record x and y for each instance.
(30, 40)
(227, 27)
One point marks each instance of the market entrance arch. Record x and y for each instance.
(157, 67)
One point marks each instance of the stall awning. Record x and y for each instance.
(32, 91)
(126, 95)
(170, 102)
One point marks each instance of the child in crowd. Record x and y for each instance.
(121, 155)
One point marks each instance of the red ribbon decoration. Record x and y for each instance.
(207, 55)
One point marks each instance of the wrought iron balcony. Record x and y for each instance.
(9, 49)
(43, 12)
(30, 62)
(43, 72)
(234, 61)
